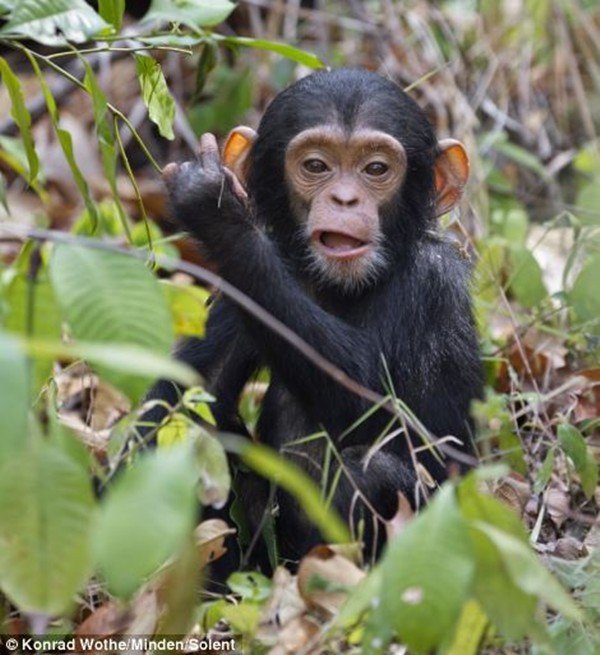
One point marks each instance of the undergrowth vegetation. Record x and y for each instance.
(95, 287)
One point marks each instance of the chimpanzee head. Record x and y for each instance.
(346, 173)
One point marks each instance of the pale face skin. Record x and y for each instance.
(338, 183)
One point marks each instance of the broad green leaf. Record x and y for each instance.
(469, 631)
(112, 12)
(574, 445)
(188, 305)
(3, 200)
(243, 617)
(232, 93)
(112, 298)
(21, 116)
(53, 22)
(121, 359)
(526, 282)
(206, 63)
(31, 308)
(510, 608)
(512, 224)
(156, 94)
(146, 516)
(7, 5)
(14, 398)
(250, 585)
(46, 510)
(106, 141)
(587, 205)
(527, 572)
(13, 154)
(545, 471)
(177, 429)
(66, 141)
(193, 13)
(294, 480)
(427, 574)
(295, 54)
(584, 296)
(215, 479)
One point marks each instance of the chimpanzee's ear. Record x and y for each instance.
(451, 170)
(236, 151)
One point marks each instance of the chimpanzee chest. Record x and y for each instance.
(283, 418)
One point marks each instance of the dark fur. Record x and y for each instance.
(416, 316)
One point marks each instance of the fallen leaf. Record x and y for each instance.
(325, 577)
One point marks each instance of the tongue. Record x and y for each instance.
(337, 241)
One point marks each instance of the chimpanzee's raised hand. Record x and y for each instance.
(206, 198)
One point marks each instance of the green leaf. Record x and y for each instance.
(584, 296)
(193, 13)
(526, 571)
(588, 202)
(215, 479)
(46, 505)
(156, 95)
(53, 22)
(512, 224)
(188, 305)
(526, 282)
(112, 298)
(106, 140)
(469, 631)
(250, 585)
(147, 515)
(232, 92)
(206, 63)
(131, 359)
(14, 398)
(112, 12)
(3, 200)
(545, 471)
(427, 574)
(574, 445)
(295, 481)
(211, 460)
(508, 607)
(66, 141)
(295, 54)
(33, 310)
(21, 116)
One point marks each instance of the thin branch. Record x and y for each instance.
(255, 310)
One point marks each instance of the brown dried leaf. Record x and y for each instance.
(401, 518)
(323, 565)
(514, 491)
(295, 636)
(210, 538)
(557, 502)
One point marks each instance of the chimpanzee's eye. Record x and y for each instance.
(376, 168)
(315, 166)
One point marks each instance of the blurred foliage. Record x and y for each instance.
(519, 82)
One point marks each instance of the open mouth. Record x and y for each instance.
(340, 245)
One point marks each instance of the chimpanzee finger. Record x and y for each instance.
(209, 152)
(169, 172)
(238, 189)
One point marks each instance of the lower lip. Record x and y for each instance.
(334, 253)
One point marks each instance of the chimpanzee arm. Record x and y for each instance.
(205, 201)
(225, 358)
